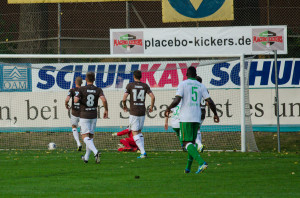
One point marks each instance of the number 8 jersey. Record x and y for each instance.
(137, 91)
(191, 91)
(89, 96)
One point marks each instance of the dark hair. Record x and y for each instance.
(191, 72)
(90, 76)
(199, 79)
(78, 80)
(137, 74)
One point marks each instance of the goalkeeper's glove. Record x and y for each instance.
(114, 134)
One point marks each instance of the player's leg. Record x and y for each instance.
(88, 127)
(141, 126)
(135, 126)
(126, 144)
(84, 134)
(199, 145)
(74, 122)
(132, 144)
(177, 131)
(86, 157)
(189, 164)
(138, 141)
(88, 151)
(188, 133)
(97, 154)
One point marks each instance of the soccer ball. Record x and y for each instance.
(51, 146)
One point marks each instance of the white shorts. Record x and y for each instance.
(136, 123)
(88, 125)
(74, 120)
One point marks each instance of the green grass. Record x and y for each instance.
(62, 174)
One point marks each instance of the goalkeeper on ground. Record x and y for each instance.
(129, 143)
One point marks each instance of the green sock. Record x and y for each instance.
(194, 153)
(189, 162)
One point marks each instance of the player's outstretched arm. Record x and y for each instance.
(213, 108)
(152, 101)
(67, 102)
(166, 122)
(175, 102)
(105, 105)
(124, 132)
(124, 102)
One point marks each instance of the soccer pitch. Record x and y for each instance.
(61, 173)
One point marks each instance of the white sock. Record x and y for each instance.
(142, 139)
(87, 153)
(89, 143)
(198, 139)
(138, 142)
(76, 136)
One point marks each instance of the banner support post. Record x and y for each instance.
(58, 30)
(277, 100)
(242, 83)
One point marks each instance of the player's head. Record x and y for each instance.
(199, 79)
(137, 74)
(78, 81)
(90, 77)
(191, 72)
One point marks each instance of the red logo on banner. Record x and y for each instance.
(128, 42)
(258, 39)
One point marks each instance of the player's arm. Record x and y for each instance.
(213, 108)
(105, 105)
(211, 104)
(175, 102)
(166, 122)
(67, 102)
(124, 101)
(124, 132)
(152, 101)
(70, 94)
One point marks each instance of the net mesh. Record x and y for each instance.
(32, 110)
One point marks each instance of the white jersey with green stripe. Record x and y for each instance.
(175, 117)
(191, 92)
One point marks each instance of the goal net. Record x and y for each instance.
(33, 93)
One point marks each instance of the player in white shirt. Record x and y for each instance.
(200, 146)
(175, 121)
(190, 92)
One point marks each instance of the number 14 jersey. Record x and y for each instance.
(89, 96)
(137, 91)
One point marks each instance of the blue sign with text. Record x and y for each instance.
(15, 78)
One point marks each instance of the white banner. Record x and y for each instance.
(201, 41)
(46, 109)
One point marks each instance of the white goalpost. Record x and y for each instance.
(46, 69)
